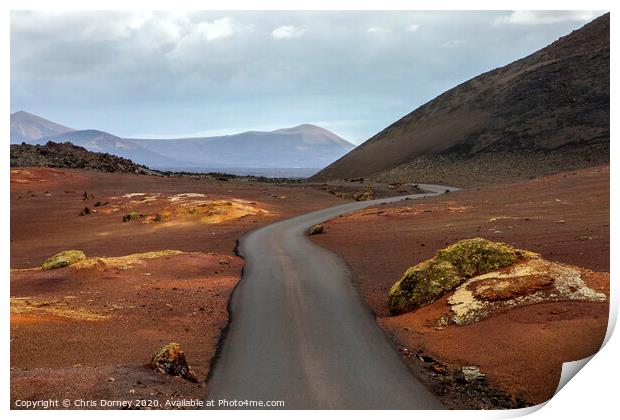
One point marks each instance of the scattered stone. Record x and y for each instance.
(436, 367)
(85, 211)
(170, 360)
(111, 380)
(472, 373)
(63, 259)
(315, 230)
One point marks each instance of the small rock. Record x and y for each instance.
(472, 373)
(170, 360)
(111, 380)
(436, 367)
(315, 230)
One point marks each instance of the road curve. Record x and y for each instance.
(300, 331)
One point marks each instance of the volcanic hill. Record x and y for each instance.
(540, 115)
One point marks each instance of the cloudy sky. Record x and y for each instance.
(171, 74)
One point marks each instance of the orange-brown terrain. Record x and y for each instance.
(564, 217)
(164, 275)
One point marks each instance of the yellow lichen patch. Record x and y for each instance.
(531, 281)
(459, 209)
(209, 211)
(221, 211)
(63, 259)
(183, 208)
(186, 196)
(26, 305)
(125, 262)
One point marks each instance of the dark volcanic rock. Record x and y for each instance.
(67, 155)
(315, 230)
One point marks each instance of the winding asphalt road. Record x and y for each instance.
(300, 331)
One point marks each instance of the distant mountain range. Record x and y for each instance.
(542, 114)
(26, 127)
(304, 146)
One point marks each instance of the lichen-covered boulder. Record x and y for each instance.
(315, 230)
(450, 267)
(63, 259)
(170, 360)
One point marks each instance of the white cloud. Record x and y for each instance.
(219, 28)
(545, 17)
(412, 28)
(287, 32)
(376, 30)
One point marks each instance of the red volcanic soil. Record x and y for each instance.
(89, 331)
(564, 217)
(46, 203)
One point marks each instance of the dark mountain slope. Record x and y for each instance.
(541, 114)
(67, 155)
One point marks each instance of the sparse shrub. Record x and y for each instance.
(134, 215)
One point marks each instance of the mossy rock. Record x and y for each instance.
(315, 230)
(170, 360)
(63, 259)
(364, 195)
(449, 268)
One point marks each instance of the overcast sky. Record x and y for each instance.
(172, 74)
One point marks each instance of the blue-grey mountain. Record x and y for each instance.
(304, 146)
